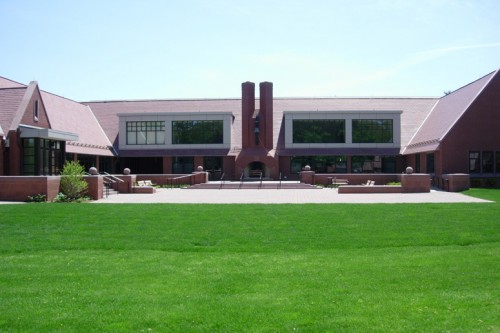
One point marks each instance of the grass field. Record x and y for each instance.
(251, 268)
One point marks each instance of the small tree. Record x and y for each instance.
(72, 184)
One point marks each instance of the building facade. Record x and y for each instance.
(254, 136)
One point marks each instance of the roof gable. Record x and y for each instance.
(445, 114)
(24, 113)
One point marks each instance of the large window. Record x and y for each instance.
(197, 132)
(42, 156)
(484, 162)
(182, 164)
(145, 132)
(372, 131)
(29, 156)
(320, 164)
(362, 164)
(318, 131)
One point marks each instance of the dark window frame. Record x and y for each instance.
(193, 132)
(372, 131)
(319, 131)
(145, 133)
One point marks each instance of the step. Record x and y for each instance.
(265, 185)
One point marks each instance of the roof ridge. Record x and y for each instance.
(470, 83)
(3, 77)
(160, 100)
(10, 88)
(478, 93)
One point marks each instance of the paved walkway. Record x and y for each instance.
(274, 196)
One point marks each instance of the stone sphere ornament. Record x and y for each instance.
(93, 171)
(307, 168)
(409, 170)
(126, 171)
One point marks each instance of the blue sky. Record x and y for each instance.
(150, 49)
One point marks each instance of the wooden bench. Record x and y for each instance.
(339, 181)
(144, 186)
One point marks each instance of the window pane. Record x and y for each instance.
(197, 132)
(145, 132)
(131, 138)
(487, 161)
(474, 162)
(497, 162)
(318, 131)
(372, 131)
(320, 164)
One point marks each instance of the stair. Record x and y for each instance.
(245, 185)
(107, 192)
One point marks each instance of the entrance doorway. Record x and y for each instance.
(213, 165)
(255, 170)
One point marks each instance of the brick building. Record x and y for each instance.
(253, 135)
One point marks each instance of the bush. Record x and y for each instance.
(37, 198)
(73, 187)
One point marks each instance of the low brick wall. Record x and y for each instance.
(456, 182)
(18, 188)
(370, 189)
(96, 187)
(310, 177)
(410, 183)
(143, 189)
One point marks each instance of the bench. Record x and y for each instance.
(339, 181)
(255, 173)
(144, 186)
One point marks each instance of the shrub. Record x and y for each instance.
(37, 198)
(73, 187)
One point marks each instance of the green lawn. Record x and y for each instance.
(251, 268)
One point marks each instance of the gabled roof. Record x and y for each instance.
(70, 116)
(445, 114)
(10, 100)
(414, 111)
(107, 111)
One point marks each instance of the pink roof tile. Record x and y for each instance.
(70, 116)
(10, 99)
(414, 111)
(444, 115)
(107, 112)
(6, 83)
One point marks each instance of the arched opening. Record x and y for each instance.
(255, 170)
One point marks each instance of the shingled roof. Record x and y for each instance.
(64, 115)
(445, 114)
(415, 110)
(70, 116)
(10, 99)
(7, 83)
(107, 111)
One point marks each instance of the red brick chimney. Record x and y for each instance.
(266, 114)
(247, 111)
